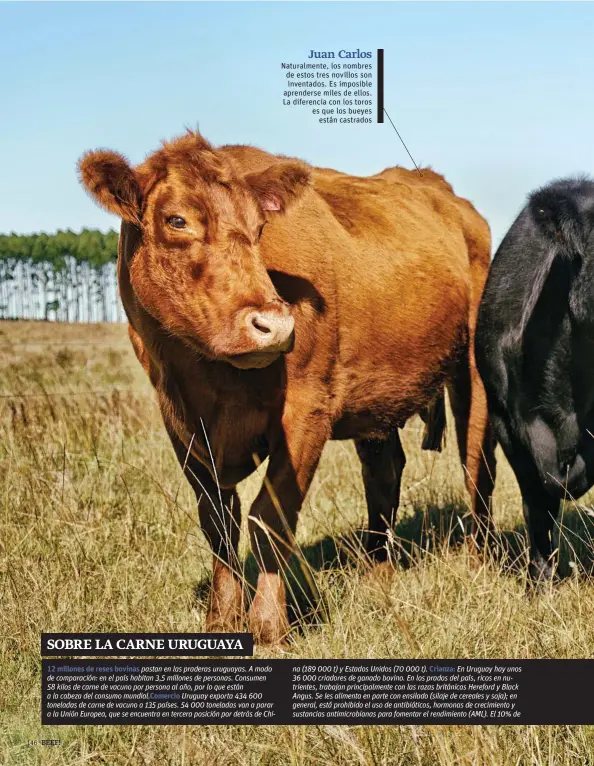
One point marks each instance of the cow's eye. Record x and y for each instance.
(177, 221)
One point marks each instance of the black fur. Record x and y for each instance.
(435, 424)
(535, 352)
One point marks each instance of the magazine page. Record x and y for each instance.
(296, 390)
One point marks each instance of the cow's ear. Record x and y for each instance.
(558, 219)
(280, 185)
(111, 181)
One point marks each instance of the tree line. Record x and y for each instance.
(65, 276)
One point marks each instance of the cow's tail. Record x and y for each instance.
(435, 424)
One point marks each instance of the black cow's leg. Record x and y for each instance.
(382, 463)
(540, 513)
(540, 507)
(219, 511)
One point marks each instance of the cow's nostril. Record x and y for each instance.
(269, 330)
(260, 324)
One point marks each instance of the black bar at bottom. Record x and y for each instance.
(317, 692)
(147, 644)
(380, 84)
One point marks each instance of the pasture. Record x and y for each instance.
(99, 532)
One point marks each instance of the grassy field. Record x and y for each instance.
(99, 533)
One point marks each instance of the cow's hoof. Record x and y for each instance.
(376, 547)
(376, 557)
(269, 632)
(476, 559)
(478, 550)
(230, 620)
(267, 617)
(226, 614)
(381, 573)
(216, 623)
(541, 579)
(270, 627)
(535, 588)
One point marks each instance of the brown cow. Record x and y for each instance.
(276, 306)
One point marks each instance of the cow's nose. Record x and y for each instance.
(271, 330)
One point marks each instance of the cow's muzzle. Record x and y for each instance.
(271, 331)
(261, 337)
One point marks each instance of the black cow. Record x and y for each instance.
(535, 352)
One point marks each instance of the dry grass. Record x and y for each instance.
(99, 532)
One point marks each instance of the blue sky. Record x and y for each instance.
(498, 96)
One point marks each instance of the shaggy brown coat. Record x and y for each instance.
(380, 278)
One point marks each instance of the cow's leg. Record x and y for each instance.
(476, 444)
(540, 507)
(273, 517)
(382, 463)
(219, 512)
(540, 514)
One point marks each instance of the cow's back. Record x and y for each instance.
(404, 282)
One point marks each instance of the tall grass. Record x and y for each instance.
(99, 533)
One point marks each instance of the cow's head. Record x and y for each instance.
(199, 271)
